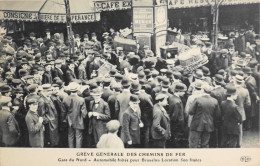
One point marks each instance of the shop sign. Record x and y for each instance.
(75, 18)
(198, 3)
(143, 20)
(112, 5)
(161, 18)
(20, 16)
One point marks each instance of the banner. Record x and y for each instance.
(173, 4)
(143, 20)
(112, 5)
(19, 16)
(75, 18)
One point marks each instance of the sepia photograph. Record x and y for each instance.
(171, 82)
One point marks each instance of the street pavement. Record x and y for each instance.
(251, 138)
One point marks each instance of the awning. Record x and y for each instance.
(175, 4)
(110, 5)
(82, 11)
(20, 10)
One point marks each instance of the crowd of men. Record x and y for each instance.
(52, 98)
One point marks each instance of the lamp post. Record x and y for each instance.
(69, 27)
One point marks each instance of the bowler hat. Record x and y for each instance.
(198, 74)
(247, 70)
(135, 86)
(112, 72)
(219, 79)
(207, 88)
(230, 89)
(134, 99)
(165, 83)
(118, 76)
(205, 71)
(141, 75)
(125, 82)
(31, 88)
(180, 87)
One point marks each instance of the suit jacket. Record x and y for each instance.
(70, 75)
(243, 101)
(176, 111)
(122, 104)
(9, 128)
(50, 116)
(111, 103)
(130, 126)
(219, 93)
(47, 78)
(82, 74)
(58, 73)
(146, 107)
(76, 110)
(230, 117)
(35, 129)
(160, 129)
(106, 93)
(240, 44)
(206, 113)
(252, 87)
(97, 125)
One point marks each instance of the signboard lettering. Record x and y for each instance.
(112, 5)
(23, 16)
(75, 18)
(143, 19)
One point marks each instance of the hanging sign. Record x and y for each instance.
(199, 3)
(19, 16)
(75, 18)
(143, 20)
(112, 5)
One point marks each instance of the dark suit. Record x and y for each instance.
(206, 113)
(48, 110)
(97, 125)
(146, 107)
(130, 126)
(230, 118)
(70, 75)
(111, 103)
(76, 110)
(35, 129)
(9, 129)
(122, 104)
(58, 73)
(106, 93)
(47, 78)
(160, 129)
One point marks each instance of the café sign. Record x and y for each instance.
(112, 5)
(143, 20)
(20, 16)
(75, 18)
(172, 4)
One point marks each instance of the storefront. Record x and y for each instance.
(197, 15)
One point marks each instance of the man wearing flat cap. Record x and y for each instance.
(160, 129)
(231, 119)
(76, 111)
(131, 123)
(35, 125)
(9, 128)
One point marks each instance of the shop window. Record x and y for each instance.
(14, 26)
